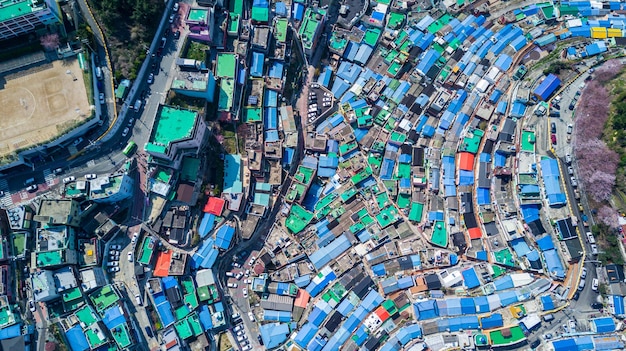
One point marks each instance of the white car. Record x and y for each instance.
(236, 265)
(125, 131)
(130, 257)
(112, 264)
(568, 158)
(584, 273)
(594, 249)
(248, 281)
(175, 8)
(116, 247)
(572, 325)
(91, 176)
(245, 292)
(238, 328)
(31, 306)
(570, 170)
(172, 17)
(251, 316)
(113, 269)
(574, 182)
(134, 239)
(232, 285)
(594, 284)
(32, 188)
(68, 179)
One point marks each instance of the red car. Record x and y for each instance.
(553, 138)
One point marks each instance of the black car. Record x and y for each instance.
(176, 34)
(149, 332)
(596, 305)
(576, 296)
(258, 337)
(535, 344)
(571, 107)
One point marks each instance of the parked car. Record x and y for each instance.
(232, 285)
(553, 139)
(574, 182)
(240, 333)
(134, 238)
(130, 122)
(236, 265)
(172, 17)
(113, 269)
(568, 158)
(238, 328)
(130, 257)
(149, 332)
(570, 128)
(150, 78)
(594, 284)
(58, 171)
(175, 8)
(116, 247)
(77, 141)
(31, 306)
(176, 34)
(584, 273)
(251, 316)
(594, 249)
(581, 285)
(553, 127)
(572, 325)
(32, 188)
(101, 98)
(112, 264)
(570, 170)
(68, 179)
(571, 106)
(315, 85)
(597, 305)
(245, 292)
(91, 176)
(114, 258)
(114, 252)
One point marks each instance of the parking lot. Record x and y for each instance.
(319, 101)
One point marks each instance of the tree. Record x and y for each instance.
(609, 216)
(50, 41)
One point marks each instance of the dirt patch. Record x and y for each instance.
(37, 103)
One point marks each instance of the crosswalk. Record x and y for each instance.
(48, 176)
(5, 200)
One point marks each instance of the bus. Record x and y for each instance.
(130, 148)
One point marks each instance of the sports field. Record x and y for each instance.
(41, 103)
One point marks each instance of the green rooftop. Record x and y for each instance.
(253, 114)
(72, 294)
(371, 36)
(95, 337)
(298, 219)
(304, 175)
(50, 258)
(528, 141)
(7, 317)
(387, 216)
(225, 65)
(198, 15)
(104, 297)
(505, 257)
(417, 211)
(260, 14)
(337, 43)
(280, 30)
(18, 240)
(226, 94)
(16, 8)
(147, 248)
(472, 141)
(233, 23)
(513, 335)
(121, 336)
(438, 24)
(188, 327)
(395, 20)
(86, 315)
(440, 235)
(309, 25)
(208, 293)
(171, 124)
(236, 6)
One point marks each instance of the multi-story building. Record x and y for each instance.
(110, 189)
(56, 246)
(18, 17)
(58, 212)
(311, 28)
(196, 84)
(176, 133)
